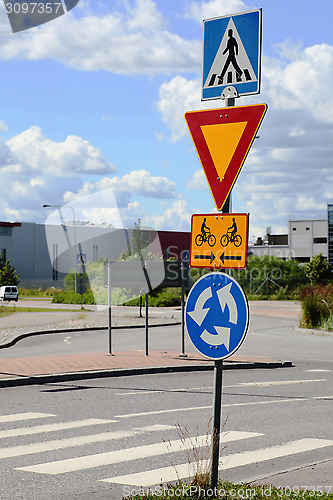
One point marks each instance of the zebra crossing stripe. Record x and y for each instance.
(59, 444)
(23, 416)
(37, 429)
(182, 471)
(229, 405)
(129, 454)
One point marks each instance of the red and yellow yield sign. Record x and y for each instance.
(219, 240)
(223, 138)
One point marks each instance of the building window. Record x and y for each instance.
(5, 231)
(307, 229)
(294, 228)
(95, 253)
(320, 240)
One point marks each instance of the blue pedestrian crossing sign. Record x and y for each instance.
(216, 315)
(232, 54)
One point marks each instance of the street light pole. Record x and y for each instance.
(67, 206)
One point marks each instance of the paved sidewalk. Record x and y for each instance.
(38, 370)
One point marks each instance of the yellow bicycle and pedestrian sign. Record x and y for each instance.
(219, 241)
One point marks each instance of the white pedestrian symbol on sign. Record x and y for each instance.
(231, 64)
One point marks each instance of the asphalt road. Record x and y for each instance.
(278, 423)
(272, 333)
(274, 420)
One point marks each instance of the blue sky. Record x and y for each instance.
(96, 99)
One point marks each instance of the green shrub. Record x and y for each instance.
(317, 305)
(165, 297)
(73, 298)
(38, 292)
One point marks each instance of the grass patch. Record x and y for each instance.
(5, 311)
(226, 490)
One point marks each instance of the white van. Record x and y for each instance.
(9, 293)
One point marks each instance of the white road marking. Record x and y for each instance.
(158, 391)
(167, 474)
(58, 444)
(157, 412)
(139, 452)
(23, 416)
(37, 429)
(281, 382)
(318, 370)
(241, 384)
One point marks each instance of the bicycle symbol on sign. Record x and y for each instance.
(231, 236)
(236, 239)
(205, 235)
(201, 238)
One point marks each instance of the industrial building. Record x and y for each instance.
(43, 254)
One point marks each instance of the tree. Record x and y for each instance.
(289, 275)
(8, 275)
(318, 270)
(140, 241)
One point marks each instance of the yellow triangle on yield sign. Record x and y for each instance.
(222, 144)
(223, 138)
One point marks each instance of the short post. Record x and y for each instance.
(183, 308)
(109, 308)
(218, 371)
(146, 321)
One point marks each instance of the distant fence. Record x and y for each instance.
(131, 273)
(43, 284)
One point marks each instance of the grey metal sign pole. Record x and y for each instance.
(146, 321)
(182, 267)
(229, 95)
(109, 309)
(218, 371)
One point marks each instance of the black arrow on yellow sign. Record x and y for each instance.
(230, 257)
(223, 257)
(210, 257)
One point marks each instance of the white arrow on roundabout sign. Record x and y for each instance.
(216, 315)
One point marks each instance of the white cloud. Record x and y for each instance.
(289, 168)
(36, 170)
(138, 182)
(176, 218)
(214, 8)
(175, 98)
(3, 126)
(198, 180)
(132, 42)
(34, 152)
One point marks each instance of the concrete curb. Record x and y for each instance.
(71, 330)
(313, 331)
(122, 372)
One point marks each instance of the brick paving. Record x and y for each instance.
(94, 363)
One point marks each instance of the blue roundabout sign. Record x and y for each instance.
(216, 315)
